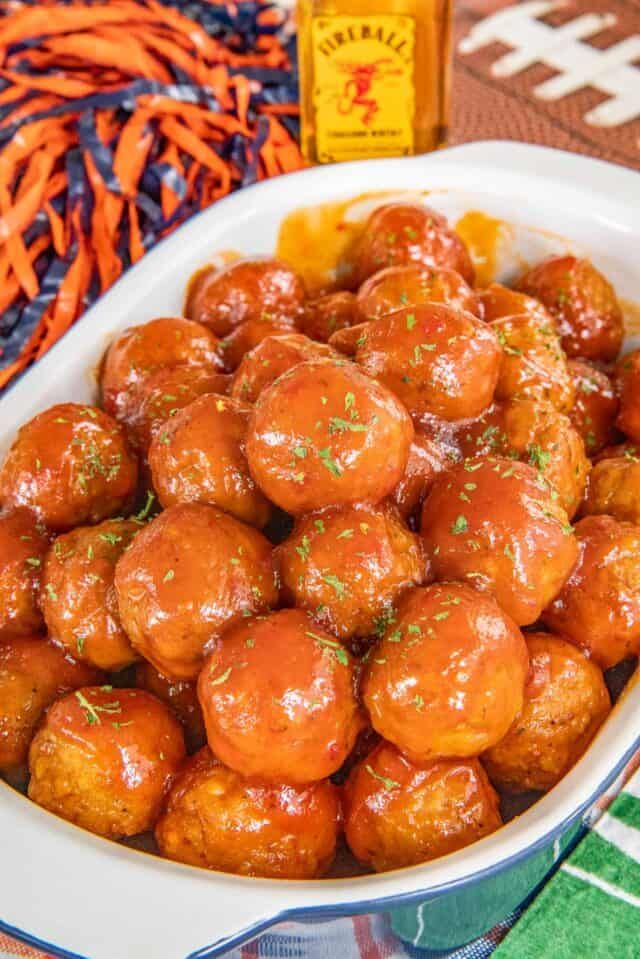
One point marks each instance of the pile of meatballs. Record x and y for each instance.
(346, 565)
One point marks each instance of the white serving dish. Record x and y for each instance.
(76, 894)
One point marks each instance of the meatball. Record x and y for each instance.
(497, 301)
(104, 759)
(533, 364)
(270, 359)
(143, 350)
(23, 544)
(598, 608)
(436, 359)
(538, 434)
(348, 565)
(163, 394)
(565, 703)
(181, 697)
(277, 693)
(325, 434)
(253, 289)
(189, 574)
(216, 819)
(494, 524)
(198, 457)
(33, 673)
(331, 312)
(70, 465)
(397, 814)
(628, 382)
(247, 337)
(427, 458)
(400, 286)
(614, 489)
(595, 406)
(583, 304)
(404, 234)
(448, 631)
(78, 597)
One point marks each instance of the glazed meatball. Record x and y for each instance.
(253, 289)
(181, 697)
(447, 630)
(143, 350)
(598, 608)
(198, 457)
(436, 359)
(628, 382)
(272, 357)
(538, 434)
(277, 693)
(33, 673)
(78, 597)
(404, 234)
(494, 524)
(104, 759)
(331, 312)
(70, 465)
(246, 338)
(533, 364)
(216, 819)
(595, 406)
(325, 434)
(400, 286)
(582, 303)
(189, 574)
(614, 489)
(565, 703)
(348, 565)
(165, 393)
(397, 814)
(23, 544)
(427, 458)
(497, 302)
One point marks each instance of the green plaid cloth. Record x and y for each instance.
(591, 907)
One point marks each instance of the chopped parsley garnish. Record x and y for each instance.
(339, 651)
(329, 462)
(92, 710)
(339, 425)
(111, 538)
(386, 782)
(538, 457)
(460, 526)
(304, 549)
(168, 576)
(332, 580)
(222, 678)
(146, 509)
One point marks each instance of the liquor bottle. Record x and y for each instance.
(374, 77)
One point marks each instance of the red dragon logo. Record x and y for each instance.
(357, 89)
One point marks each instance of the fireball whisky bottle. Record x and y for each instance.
(374, 77)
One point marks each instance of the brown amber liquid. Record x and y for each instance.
(431, 64)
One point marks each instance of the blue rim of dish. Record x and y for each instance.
(342, 910)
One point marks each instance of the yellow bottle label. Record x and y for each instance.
(364, 96)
